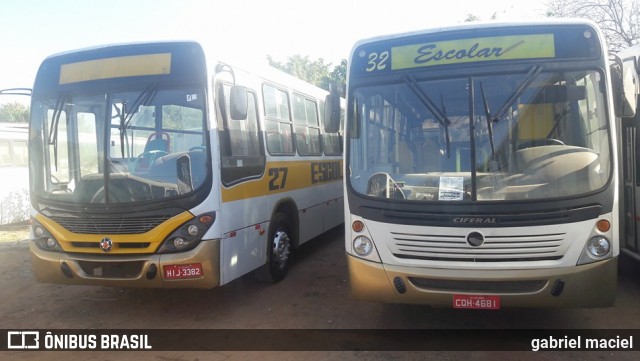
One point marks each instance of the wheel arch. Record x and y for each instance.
(288, 207)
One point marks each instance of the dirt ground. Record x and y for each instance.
(314, 296)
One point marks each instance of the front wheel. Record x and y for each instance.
(278, 249)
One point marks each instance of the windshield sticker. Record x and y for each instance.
(451, 189)
(473, 50)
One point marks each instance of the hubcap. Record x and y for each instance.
(281, 244)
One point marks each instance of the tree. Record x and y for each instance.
(471, 18)
(14, 112)
(315, 72)
(618, 19)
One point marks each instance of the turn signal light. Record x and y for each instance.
(603, 225)
(357, 226)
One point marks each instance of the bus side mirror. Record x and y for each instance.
(332, 112)
(185, 183)
(624, 81)
(239, 102)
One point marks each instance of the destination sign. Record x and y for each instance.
(116, 67)
(424, 54)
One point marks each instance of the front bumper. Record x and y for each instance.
(591, 285)
(134, 271)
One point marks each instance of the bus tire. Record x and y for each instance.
(278, 249)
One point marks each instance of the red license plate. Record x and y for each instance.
(182, 271)
(478, 302)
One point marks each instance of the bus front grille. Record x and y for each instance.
(454, 248)
(130, 269)
(118, 225)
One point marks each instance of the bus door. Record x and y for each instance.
(631, 187)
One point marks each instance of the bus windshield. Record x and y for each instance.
(532, 134)
(119, 147)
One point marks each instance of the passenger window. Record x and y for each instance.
(305, 117)
(278, 122)
(241, 149)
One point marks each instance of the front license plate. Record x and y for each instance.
(182, 271)
(478, 302)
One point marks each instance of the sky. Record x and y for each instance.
(245, 32)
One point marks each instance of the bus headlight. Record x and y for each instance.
(188, 236)
(596, 249)
(43, 239)
(598, 246)
(362, 246)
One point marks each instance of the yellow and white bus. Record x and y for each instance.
(481, 167)
(152, 166)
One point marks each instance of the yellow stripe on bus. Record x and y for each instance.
(118, 67)
(154, 236)
(284, 177)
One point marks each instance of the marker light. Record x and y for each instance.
(357, 226)
(598, 246)
(362, 246)
(603, 225)
(205, 219)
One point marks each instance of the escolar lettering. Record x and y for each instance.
(325, 171)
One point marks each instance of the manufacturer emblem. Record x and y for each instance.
(475, 239)
(106, 244)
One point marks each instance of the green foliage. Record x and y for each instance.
(315, 72)
(14, 112)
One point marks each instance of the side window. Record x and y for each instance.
(183, 128)
(241, 150)
(307, 127)
(278, 122)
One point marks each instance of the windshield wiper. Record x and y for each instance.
(440, 115)
(53, 130)
(125, 117)
(531, 75)
(487, 114)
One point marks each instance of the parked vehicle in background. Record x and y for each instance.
(152, 165)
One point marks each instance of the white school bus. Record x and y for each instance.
(151, 165)
(481, 167)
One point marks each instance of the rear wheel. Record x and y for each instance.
(278, 249)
